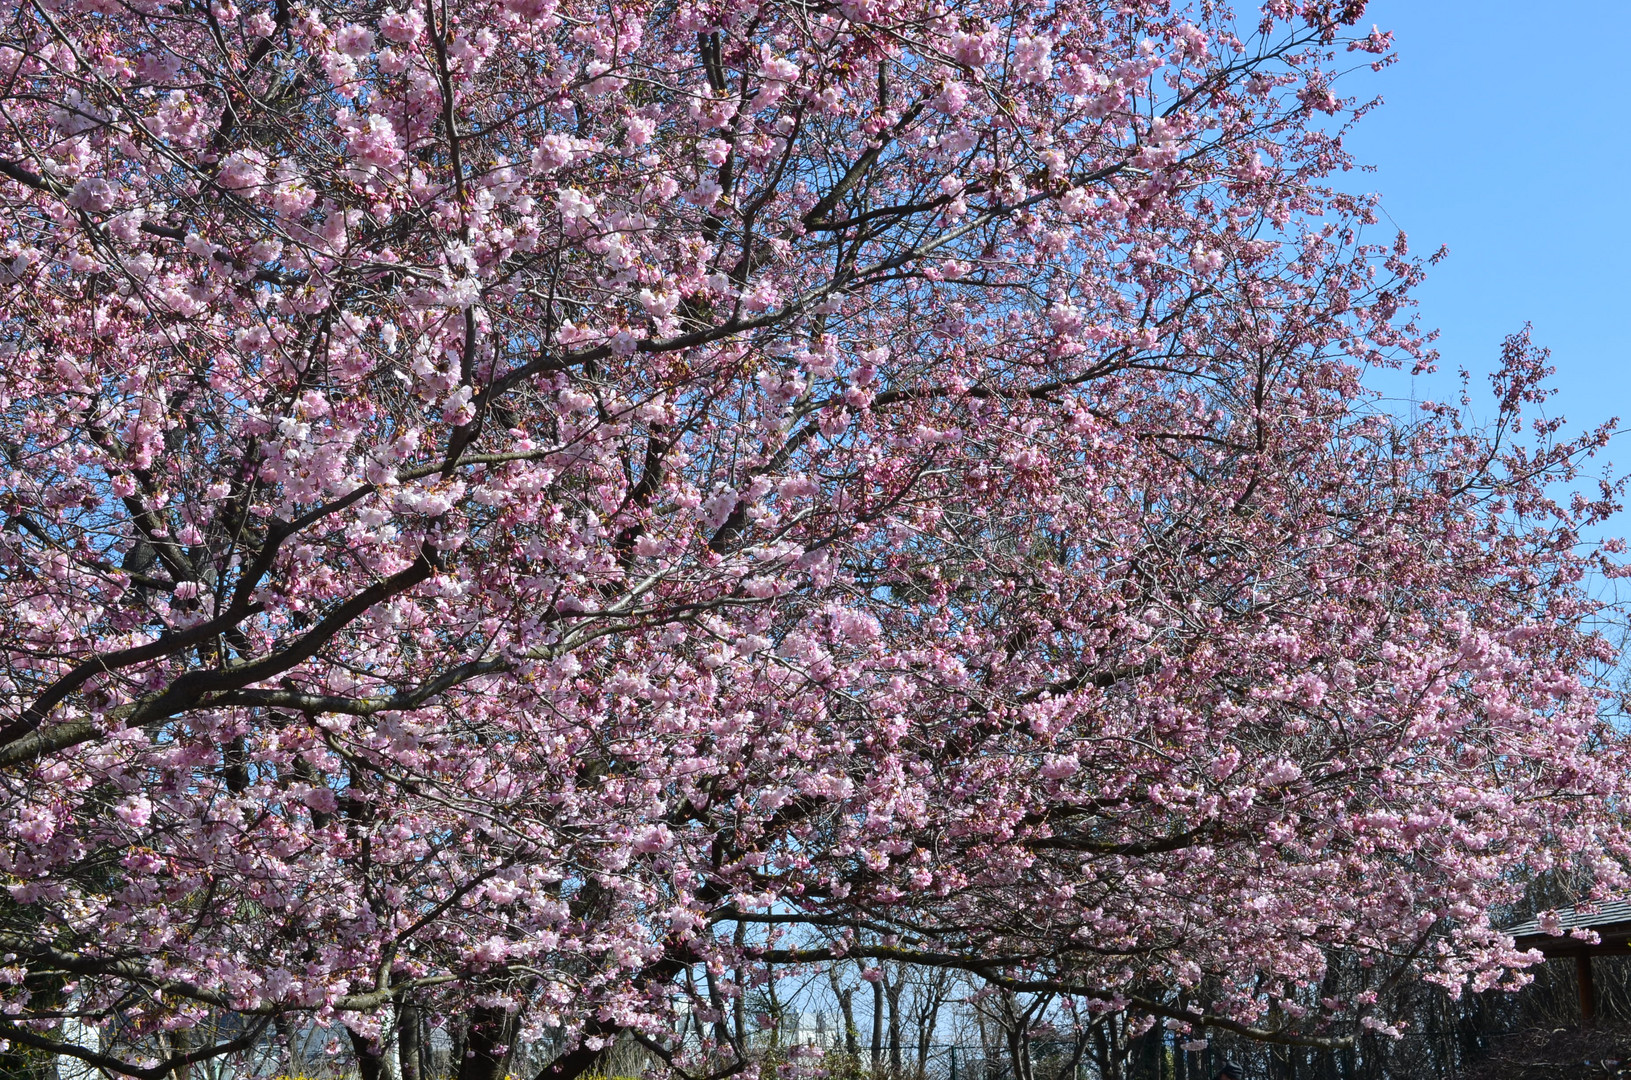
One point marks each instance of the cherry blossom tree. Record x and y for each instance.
(530, 511)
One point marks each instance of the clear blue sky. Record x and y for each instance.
(1506, 134)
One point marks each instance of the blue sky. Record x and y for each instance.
(1506, 134)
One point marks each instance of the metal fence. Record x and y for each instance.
(1534, 1054)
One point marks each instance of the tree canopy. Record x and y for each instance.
(538, 509)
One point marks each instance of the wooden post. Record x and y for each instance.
(1588, 992)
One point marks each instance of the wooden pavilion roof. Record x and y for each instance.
(1611, 919)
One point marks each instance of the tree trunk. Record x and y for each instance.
(286, 1038)
(892, 992)
(457, 1039)
(775, 1008)
(368, 1064)
(722, 1037)
(409, 1044)
(1101, 1049)
(1017, 1052)
(987, 1058)
(739, 1007)
(877, 1025)
(925, 1032)
(488, 1044)
(180, 1043)
(846, 1008)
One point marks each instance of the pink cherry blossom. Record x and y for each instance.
(355, 41)
(548, 515)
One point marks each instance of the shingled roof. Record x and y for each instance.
(1610, 918)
